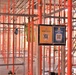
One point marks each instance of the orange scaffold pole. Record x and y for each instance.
(19, 37)
(50, 46)
(59, 60)
(40, 22)
(3, 38)
(29, 71)
(49, 49)
(3, 41)
(59, 46)
(69, 69)
(32, 38)
(8, 32)
(13, 36)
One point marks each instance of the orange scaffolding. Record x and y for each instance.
(25, 16)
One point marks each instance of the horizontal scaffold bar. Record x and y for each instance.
(56, 11)
(49, 16)
(11, 64)
(14, 57)
(13, 23)
(11, 14)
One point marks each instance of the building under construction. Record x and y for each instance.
(37, 37)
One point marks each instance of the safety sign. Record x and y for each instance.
(59, 35)
(51, 34)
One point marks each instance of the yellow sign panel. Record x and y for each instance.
(45, 34)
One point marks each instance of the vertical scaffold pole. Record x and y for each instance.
(59, 60)
(19, 37)
(69, 69)
(29, 39)
(59, 46)
(63, 47)
(8, 32)
(50, 46)
(40, 22)
(13, 35)
(3, 37)
(32, 38)
(24, 45)
(43, 51)
(49, 59)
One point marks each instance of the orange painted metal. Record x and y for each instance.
(69, 68)
(49, 59)
(13, 69)
(59, 46)
(24, 46)
(40, 22)
(3, 38)
(50, 46)
(59, 60)
(8, 33)
(54, 9)
(32, 38)
(54, 46)
(19, 37)
(29, 71)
